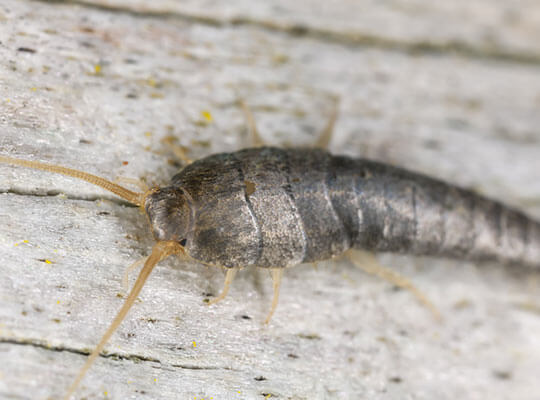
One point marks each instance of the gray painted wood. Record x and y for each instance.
(100, 91)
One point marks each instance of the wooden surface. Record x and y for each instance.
(453, 91)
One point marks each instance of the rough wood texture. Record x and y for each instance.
(97, 86)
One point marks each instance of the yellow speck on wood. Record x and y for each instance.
(97, 69)
(148, 134)
(48, 261)
(250, 187)
(207, 115)
(194, 343)
(280, 58)
(33, 89)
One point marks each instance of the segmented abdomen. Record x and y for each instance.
(400, 211)
(273, 207)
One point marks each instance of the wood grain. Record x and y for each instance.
(99, 86)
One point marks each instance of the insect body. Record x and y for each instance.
(275, 208)
(272, 207)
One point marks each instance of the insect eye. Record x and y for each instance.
(183, 242)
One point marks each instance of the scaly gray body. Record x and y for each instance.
(271, 207)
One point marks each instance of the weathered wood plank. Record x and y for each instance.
(475, 28)
(103, 89)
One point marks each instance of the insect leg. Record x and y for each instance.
(231, 273)
(160, 251)
(326, 135)
(254, 138)
(178, 150)
(369, 264)
(125, 278)
(277, 274)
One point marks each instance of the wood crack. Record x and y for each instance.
(56, 193)
(116, 356)
(452, 47)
